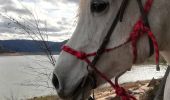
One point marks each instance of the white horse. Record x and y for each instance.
(92, 27)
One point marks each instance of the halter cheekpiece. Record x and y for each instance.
(140, 28)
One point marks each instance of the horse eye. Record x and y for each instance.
(98, 6)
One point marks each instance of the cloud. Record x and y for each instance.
(13, 6)
(7, 26)
(58, 19)
(19, 11)
(5, 2)
(76, 1)
(60, 27)
(64, 1)
(51, 37)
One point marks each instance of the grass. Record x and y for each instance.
(107, 92)
(52, 97)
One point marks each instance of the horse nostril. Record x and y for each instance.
(55, 81)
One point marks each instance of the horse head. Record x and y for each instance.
(72, 76)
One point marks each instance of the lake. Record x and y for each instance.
(28, 76)
(24, 76)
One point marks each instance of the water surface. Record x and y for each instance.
(26, 76)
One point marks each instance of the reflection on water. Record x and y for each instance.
(27, 76)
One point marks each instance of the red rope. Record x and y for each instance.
(120, 91)
(138, 30)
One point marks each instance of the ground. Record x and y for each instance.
(142, 90)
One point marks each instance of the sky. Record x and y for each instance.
(57, 18)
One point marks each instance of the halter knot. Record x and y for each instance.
(138, 30)
(81, 55)
(120, 91)
(140, 27)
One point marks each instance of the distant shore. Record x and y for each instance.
(24, 53)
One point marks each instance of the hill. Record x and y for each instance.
(29, 46)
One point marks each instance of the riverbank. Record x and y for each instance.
(142, 90)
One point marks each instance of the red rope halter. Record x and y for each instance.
(138, 30)
(120, 91)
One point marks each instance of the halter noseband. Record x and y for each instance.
(141, 27)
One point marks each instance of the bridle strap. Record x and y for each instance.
(122, 9)
(106, 40)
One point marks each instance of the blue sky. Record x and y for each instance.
(56, 17)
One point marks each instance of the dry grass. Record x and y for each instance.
(140, 89)
(45, 98)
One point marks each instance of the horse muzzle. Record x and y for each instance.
(80, 89)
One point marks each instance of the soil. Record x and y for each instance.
(142, 90)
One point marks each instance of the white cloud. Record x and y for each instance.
(51, 37)
(59, 16)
